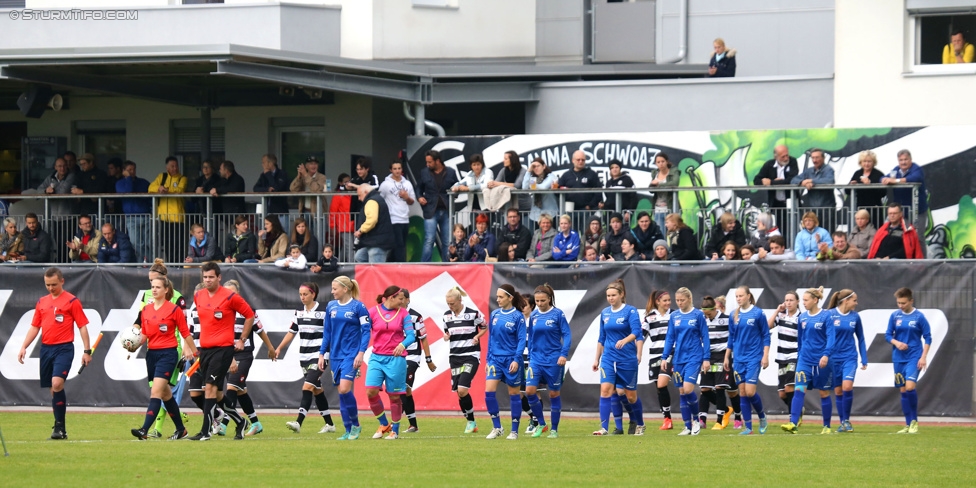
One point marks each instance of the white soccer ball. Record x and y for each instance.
(130, 339)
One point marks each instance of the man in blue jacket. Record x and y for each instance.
(114, 248)
(909, 172)
(137, 211)
(435, 180)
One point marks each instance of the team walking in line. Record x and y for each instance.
(529, 341)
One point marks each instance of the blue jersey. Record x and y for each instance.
(549, 337)
(811, 339)
(346, 330)
(506, 334)
(687, 337)
(615, 326)
(909, 328)
(748, 334)
(842, 330)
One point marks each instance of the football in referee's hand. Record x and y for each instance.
(130, 339)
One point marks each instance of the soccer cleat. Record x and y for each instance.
(185, 418)
(746, 431)
(763, 424)
(531, 428)
(512, 436)
(737, 425)
(789, 427)
(601, 432)
(542, 429)
(495, 433)
(696, 428)
(239, 430)
(553, 434)
(58, 433)
(617, 432)
(343, 437)
(826, 430)
(392, 437)
(218, 427)
(639, 430)
(726, 417)
(294, 426)
(847, 426)
(327, 428)
(913, 428)
(411, 429)
(139, 434)
(179, 434)
(701, 422)
(154, 434)
(470, 427)
(841, 427)
(685, 431)
(256, 428)
(799, 421)
(200, 437)
(382, 431)
(718, 426)
(221, 430)
(904, 430)
(354, 433)
(666, 425)
(631, 427)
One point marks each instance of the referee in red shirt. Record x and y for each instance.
(54, 316)
(217, 307)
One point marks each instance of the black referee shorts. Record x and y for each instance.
(214, 363)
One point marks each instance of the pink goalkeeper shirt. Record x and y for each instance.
(389, 329)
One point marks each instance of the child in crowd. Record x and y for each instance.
(328, 263)
(294, 260)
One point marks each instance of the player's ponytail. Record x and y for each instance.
(839, 297)
(548, 291)
(456, 293)
(518, 301)
(387, 293)
(348, 284)
(618, 285)
(653, 300)
(158, 267)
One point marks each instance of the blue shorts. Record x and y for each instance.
(747, 372)
(844, 370)
(686, 373)
(391, 370)
(56, 361)
(906, 371)
(161, 363)
(812, 376)
(552, 375)
(497, 369)
(342, 369)
(620, 375)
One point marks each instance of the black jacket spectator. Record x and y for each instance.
(37, 245)
(869, 198)
(241, 247)
(434, 188)
(768, 170)
(718, 237)
(725, 67)
(683, 245)
(521, 237)
(230, 205)
(646, 238)
(330, 265)
(311, 248)
(613, 243)
(381, 235)
(628, 201)
(92, 181)
(279, 181)
(119, 251)
(582, 179)
(356, 207)
(207, 184)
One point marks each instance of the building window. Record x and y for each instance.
(103, 138)
(186, 144)
(436, 3)
(934, 36)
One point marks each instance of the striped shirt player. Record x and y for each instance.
(417, 351)
(655, 330)
(463, 328)
(716, 380)
(786, 349)
(308, 324)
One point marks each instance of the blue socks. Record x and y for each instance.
(59, 402)
(912, 402)
(536, 407)
(756, 401)
(746, 404)
(617, 408)
(604, 412)
(350, 411)
(154, 405)
(796, 408)
(555, 410)
(825, 407)
(685, 411)
(515, 402)
(638, 411)
(906, 407)
(491, 402)
(840, 407)
(848, 404)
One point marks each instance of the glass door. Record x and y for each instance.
(298, 143)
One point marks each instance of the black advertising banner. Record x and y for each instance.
(944, 291)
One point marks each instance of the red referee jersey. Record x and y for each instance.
(160, 326)
(56, 315)
(217, 314)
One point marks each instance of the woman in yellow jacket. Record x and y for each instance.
(170, 211)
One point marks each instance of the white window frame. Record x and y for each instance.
(913, 51)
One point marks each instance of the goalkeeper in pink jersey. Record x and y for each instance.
(392, 333)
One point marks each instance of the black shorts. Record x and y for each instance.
(161, 363)
(239, 379)
(463, 369)
(56, 361)
(214, 363)
(312, 373)
(787, 375)
(196, 382)
(412, 367)
(655, 370)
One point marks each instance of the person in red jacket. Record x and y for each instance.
(341, 225)
(896, 239)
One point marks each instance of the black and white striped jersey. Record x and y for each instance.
(462, 328)
(786, 329)
(655, 328)
(193, 322)
(249, 340)
(414, 351)
(308, 324)
(718, 335)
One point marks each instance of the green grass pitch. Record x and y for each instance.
(100, 452)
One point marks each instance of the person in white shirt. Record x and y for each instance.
(294, 260)
(399, 195)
